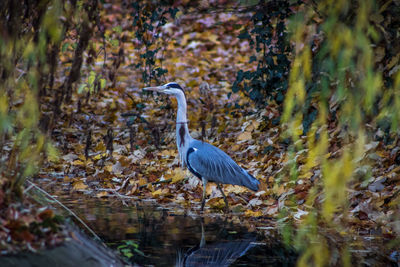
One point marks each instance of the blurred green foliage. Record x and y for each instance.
(340, 92)
(31, 36)
(26, 34)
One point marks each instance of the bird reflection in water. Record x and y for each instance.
(216, 254)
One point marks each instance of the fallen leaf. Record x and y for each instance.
(117, 168)
(78, 163)
(79, 185)
(102, 194)
(244, 136)
(100, 156)
(46, 214)
(250, 213)
(255, 202)
(156, 193)
(178, 175)
(70, 157)
(235, 189)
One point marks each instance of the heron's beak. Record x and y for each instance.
(159, 89)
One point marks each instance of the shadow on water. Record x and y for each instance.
(147, 235)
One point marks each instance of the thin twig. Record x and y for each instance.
(118, 195)
(63, 206)
(114, 191)
(157, 182)
(162, 182)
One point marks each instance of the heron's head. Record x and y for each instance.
(171, 88)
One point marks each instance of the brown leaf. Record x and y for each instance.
(46, 214)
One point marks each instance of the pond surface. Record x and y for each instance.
(152, 236)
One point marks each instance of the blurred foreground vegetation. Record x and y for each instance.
(343, 92)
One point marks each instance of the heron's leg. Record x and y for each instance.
(223, 194)
(203, 239)
(203, 201)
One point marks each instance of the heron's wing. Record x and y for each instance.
(215, 165)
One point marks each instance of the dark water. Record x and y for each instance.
(154, 236)
(150, 235)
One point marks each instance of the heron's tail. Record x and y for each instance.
(251, 182)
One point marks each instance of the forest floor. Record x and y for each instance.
(203, 54)
(140, 160)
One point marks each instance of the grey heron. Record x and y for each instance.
(205, 161)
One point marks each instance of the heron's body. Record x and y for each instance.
(211, 163)
(205, 161)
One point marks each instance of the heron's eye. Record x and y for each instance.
(174, 85)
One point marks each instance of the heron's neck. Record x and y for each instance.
(181, 115)
(182, 130)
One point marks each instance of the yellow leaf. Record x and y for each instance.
(100, 146)
(78, 147)
(255, 124)
(275, 58)
(235, 147)
(393, 61)
(131, 230)
(157, 193)
(216, 203)
(280, 190)
(178, 175)
(166, 153)
(100, 156)
(78, 162)
(250, 213)
(244, 136)
(108, 168)
(192, 83)
(250, 128)
(79, 185)
(382, 154)
(234, 189)
(165, 192)
(142, 181)
(210, 188)
(213, 38)
(185, 39)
